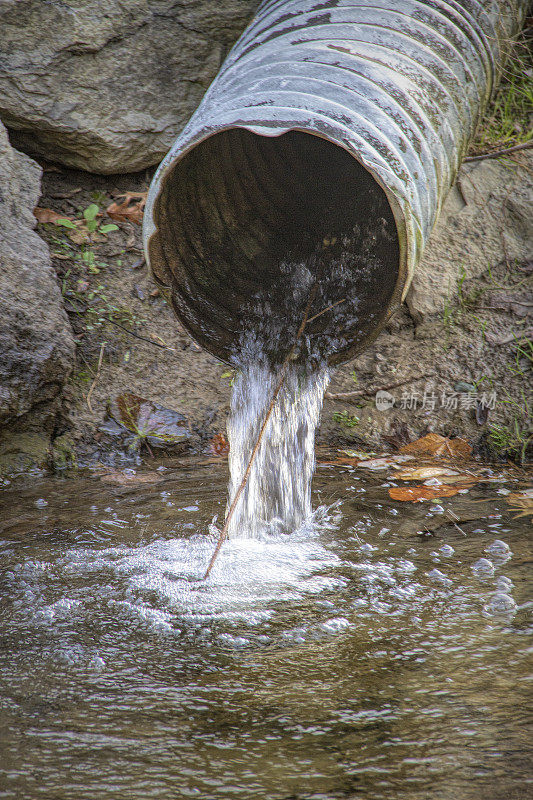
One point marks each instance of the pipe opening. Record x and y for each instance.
(248, 226)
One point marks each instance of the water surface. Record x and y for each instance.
(353, 658)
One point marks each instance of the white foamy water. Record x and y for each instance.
(277, 496)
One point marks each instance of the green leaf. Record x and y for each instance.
(91, 212)
(66, 223)
(92, 225)
(108, 228)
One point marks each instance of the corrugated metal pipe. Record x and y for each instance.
(336, 121)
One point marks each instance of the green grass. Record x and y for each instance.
(507, 121)
(346, 419)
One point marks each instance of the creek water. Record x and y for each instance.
(353, 658)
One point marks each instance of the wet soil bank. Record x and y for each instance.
(455, 359)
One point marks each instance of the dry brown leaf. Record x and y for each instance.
(423, 473)
(521, 502)
(340, 462)
(436, 445)
(131, 209)
(44, 215)
(416, 494)
(219, 445)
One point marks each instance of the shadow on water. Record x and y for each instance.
(353, 658)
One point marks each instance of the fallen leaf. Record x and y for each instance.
(44, 215)
(219, 445)
(385, 461)
(436, 445)
(149, 421)
(358, 454)
(416, 494)
(129, 479)
(131, 209)
(521, 502)
(422, 473)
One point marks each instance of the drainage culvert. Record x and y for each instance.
(318, 162)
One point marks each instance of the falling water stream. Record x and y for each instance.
(277, 496)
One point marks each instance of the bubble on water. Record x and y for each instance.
(504, 584)
(500, 603)
(499, 549)
(483, 568)
(41, 502)
(366, 547)
(335, 625)
(439, 577)
(446, 550)
(97, 664)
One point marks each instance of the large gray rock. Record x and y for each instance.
(487, 219)
(36, 343)
(106, 85)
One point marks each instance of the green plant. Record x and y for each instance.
(346, 419)
(507, 120)
(90, 222)
(513, 439)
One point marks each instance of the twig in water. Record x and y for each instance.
(316, 316)
(284, 366)
(502, 152)
(93, 384)
(452, 517)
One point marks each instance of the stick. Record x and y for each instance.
(316, 316)
(93, 384)
(224, 531)
(502, 152)
(138, 336)
(367, 392)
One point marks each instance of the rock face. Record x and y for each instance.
(487, 218)
(106, 85)
(36, 344)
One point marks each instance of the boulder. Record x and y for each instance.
(106, 85)
(486, 219)
(36, 342)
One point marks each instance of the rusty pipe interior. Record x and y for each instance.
(247, 226)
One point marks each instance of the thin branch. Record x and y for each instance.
(93, 384)
(316, 316)
(502, 152)
(283, 371)
(138, 336)
(367, 392)
(512, 337)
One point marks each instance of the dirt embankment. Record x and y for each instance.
(455, 359)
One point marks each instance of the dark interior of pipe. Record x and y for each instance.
(250, 227)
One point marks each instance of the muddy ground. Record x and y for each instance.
(463, 371)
